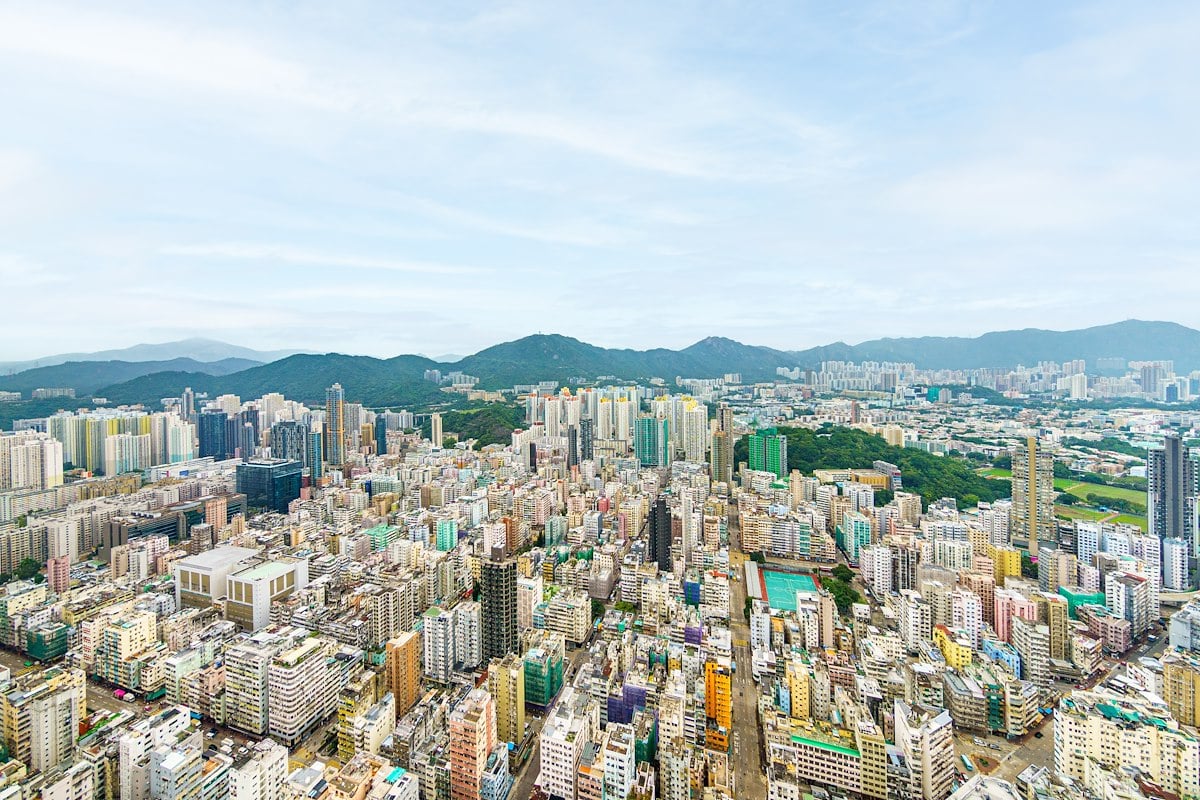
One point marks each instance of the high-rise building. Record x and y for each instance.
(926, 737)
(767, 452)
(335, 425)
(288, 439)
(651, 441)
(1181, 687)
(472, 740)
(315, 455)
(269, 483)
(659, 529)
(435, 429)
(246, 685)
(124, 452)
(211, 432)
(498, 601)
(722, 445)
(1171, 490)
(718, 703)
(299, 696)
(1088, 734)
(261, 775)
(506, 683)
(403, 670)
(30, 460)
(437, 635)
(41, 714)
(1175, 559)
(1033, 494)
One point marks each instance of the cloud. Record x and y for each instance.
(287, 254)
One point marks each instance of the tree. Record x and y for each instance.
(1003, 462)
(22, 520)
(748, 606)
(625, 607)
(1067, 499)
(597, 609)
(758, 557)
(28, 568)
(844, 595)
(1029, 567)
(843, 573)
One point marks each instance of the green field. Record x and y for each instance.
(1131, 520)
(1082, 490)
(996, 472)
(1078, 512)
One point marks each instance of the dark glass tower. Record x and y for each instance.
(498, 601)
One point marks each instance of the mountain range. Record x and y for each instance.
(400, 380)
(203, 350)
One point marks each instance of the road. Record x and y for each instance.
(526, 777)
(746, 751)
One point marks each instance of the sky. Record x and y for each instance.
(385, 178)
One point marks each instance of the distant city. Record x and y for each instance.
(859, 579)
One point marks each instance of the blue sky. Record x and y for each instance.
(383, 178)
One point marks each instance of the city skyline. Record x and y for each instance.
(393, 178)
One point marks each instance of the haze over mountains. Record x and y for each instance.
(197, 349)
(397, 380)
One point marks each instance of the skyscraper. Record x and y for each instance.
(767, 452)
(651, 441)
(212, 434)
(722, 446)
(1171, 492)
(1033, 494)
(335, 425)
(315, 460)
(269, 483)
(435, 429)
(288, 440)
(659, 527)
(498, 598)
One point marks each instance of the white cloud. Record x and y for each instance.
(287, 254)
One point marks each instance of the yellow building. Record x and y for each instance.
(718, 703)
(403, 670)
(956, 648)
(1181, 687)
(506, 683)
(1006, 561)
(798, 689)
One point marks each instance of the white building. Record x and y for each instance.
(575, 720)
(260, 776)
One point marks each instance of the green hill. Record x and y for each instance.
(370, 381)
(86, 377)
(932, 477)
(1131, 339)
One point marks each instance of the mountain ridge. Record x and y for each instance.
(195, 348)
(565, 359)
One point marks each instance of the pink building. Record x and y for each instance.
(1009, 604)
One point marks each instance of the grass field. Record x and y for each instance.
(1131, 520)
(1078, 512)
(1082, 490)
(996, 472)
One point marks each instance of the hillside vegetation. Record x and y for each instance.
(932, 477)
(492, 423)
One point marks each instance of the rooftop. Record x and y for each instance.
(223, 556)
